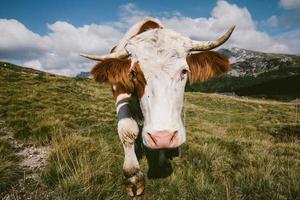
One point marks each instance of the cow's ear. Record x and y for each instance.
(112, 71)
(205, 65)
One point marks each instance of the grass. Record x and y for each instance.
(9, 171)
(237, 148)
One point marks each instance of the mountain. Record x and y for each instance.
(83, 75)
(236, 147)
(253, 74)
(253, 63)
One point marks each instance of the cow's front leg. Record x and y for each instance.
(128, 132)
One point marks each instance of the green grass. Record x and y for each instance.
(9, 171)
(235, 149)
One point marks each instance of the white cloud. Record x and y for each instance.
(222, 17)
(131, 12)
(271, 21)
(290, 4)
(33, 64)
(291, 39)
(58, 50)
(17, 41)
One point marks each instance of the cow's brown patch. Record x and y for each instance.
(117, 73)
(113, 71)
(118, 89)
(147, 26)
(205, 65)
(139, 80)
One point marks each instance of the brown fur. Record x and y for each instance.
(147, 26)
(113, 71)
(140, 81)
(205, 65)
(118, 89)
(117, 71)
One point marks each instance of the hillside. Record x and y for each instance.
(253, 72)
(237, 148)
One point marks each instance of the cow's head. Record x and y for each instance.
(156, 63)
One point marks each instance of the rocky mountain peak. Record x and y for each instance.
(252, 63)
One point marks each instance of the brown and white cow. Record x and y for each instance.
(148, 70)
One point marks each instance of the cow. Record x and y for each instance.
(148, 71)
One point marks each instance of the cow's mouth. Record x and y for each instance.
(159, 162)
(159, 165)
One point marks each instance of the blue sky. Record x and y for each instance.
(35, 15)
(48, 35)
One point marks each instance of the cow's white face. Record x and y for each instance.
(166, 71)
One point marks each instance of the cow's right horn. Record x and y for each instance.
(119, 54)
(208, 45)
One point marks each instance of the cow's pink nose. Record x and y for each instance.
(162, 139)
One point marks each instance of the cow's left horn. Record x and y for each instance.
(120, 54)
(207, 45)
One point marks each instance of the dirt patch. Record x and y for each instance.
(29, 189)
(31, 161)
(33, 158)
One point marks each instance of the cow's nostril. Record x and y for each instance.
(152, 138)
(173, 136)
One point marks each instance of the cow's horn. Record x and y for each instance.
(207, 45)
(120, 54)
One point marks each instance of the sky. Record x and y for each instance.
(49, 35)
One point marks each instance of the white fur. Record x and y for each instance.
(122, 96)
(128, 131)
(128, 126)
(114, 87)
(133, 31)
(162, 56)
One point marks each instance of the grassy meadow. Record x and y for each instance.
(237, 148)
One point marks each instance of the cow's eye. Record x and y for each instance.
(132, 74)
(183, 73)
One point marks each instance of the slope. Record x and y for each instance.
(251, 72)
(237, 148)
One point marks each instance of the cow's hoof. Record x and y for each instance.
(135, 184)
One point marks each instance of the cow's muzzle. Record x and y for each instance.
(162, 139)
